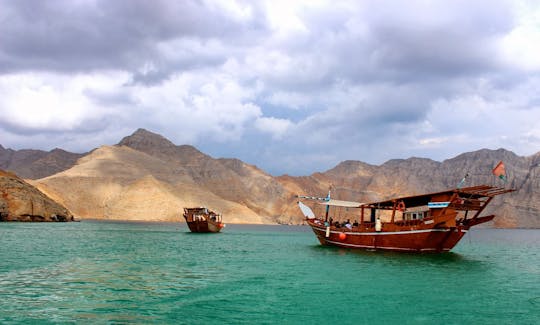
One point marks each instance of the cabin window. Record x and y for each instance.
(416, 215)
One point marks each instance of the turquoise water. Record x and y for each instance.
(114, 272)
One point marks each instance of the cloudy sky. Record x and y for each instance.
(290, 86)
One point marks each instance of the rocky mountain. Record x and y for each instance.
(118, 182)
(357, 181)
(34, 164)
(147, 177)
(230, 179)
(20, 201)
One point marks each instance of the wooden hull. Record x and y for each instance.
(203, 220)
(431, 222)
(204, 226)
(421, 239)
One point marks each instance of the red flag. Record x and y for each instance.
(499, 171)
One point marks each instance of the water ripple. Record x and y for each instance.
(155, 273)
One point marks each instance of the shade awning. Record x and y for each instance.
(339, 203)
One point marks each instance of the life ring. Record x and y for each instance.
(401, 206)
(458, 201)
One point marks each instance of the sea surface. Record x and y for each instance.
(159, 273)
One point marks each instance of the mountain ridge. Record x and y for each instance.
(141, 133)
(184, 175)
(34, 164)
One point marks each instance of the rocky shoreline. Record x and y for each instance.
(22, 202)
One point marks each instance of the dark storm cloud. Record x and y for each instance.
(460, 43)
(424, 49)
(398, 62)
(91, 35)
(408, 44)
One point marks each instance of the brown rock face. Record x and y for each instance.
(229, 179)
(357, 181)
(34, 164)
(118, 182)
(20, 201)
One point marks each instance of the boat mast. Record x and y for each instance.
(327, 207)
(325, 199)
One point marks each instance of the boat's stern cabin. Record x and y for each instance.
(201, 214)
(462, 203)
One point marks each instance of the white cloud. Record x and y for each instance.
(521, 47)
(283, 16)
(293, 100)
(48, 101)
(474, 122)
(209, 105)
(235, 9)
(275, 126)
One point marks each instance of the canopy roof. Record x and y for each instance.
(474, 193)
(339, 203)
(466, 195)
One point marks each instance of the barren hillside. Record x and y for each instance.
(147, 177)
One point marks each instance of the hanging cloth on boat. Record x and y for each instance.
(308, 213)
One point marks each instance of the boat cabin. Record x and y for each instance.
(201, 214)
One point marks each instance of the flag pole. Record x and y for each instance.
(500, 172)
(462, 182)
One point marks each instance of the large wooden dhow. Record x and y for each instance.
(202, 219)
(433, 222)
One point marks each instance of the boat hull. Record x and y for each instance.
(204, 226)
(415, 240)
(203, 220)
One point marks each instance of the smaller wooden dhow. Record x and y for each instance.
(203, 220)
(433, 222)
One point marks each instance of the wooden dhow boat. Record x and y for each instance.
(433, 222)
(202, 219)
